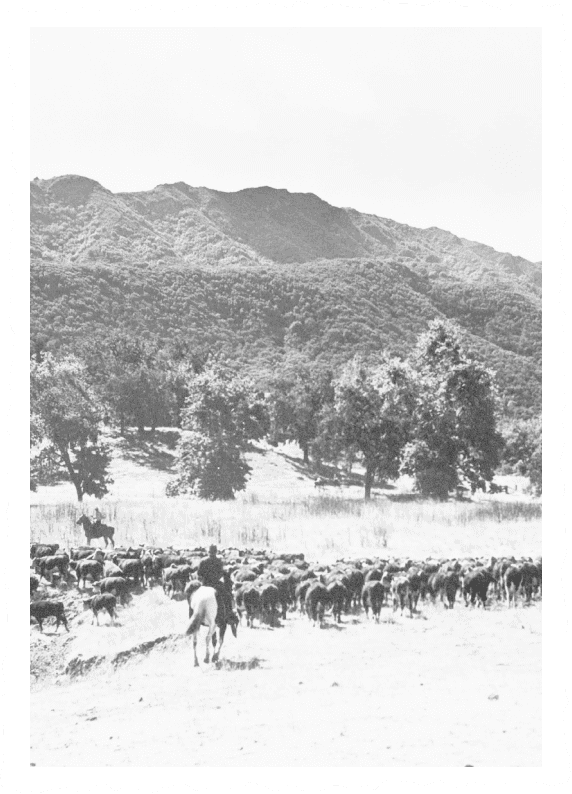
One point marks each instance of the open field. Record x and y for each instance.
(446, 688)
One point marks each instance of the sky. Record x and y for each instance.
(427, 126)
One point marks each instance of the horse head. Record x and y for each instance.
(83, 520)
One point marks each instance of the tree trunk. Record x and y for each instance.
(122, 424)
(305, 450)
(369, 472)
(71, 471)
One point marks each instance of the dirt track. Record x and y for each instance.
(447, 688)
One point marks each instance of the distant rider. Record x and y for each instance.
(97, 517)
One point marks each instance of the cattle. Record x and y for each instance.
(417, 579)
(132, 569)
(322, 482)
(300, 593)
(88, 568)
(372, 598)
(34, 584)
(82, 553)
(401, 593)
(117, 586)
(355, 585)
(494, 488)
(317, 601)
(47, 566)
(40, 610)
(269, 600)
(175, 578)
(43, 549)
(475, 586)
(111, 569)
(338, 596)
(445, 583)
(99, 603)
(248, 602)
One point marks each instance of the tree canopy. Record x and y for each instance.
(66, 419)
(222, 414)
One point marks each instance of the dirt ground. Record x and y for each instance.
(446, 688)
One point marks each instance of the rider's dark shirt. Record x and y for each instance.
(210, 571)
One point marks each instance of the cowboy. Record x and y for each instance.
(97, 517)
(211, 573)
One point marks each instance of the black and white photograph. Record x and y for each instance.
(285, 390)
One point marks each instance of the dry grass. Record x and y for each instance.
(282, 510)
(321, 526)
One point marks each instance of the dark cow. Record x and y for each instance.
(85, 568)
(34, 584)
(475, 586)
(132, 569)
(117, 586)
(99, 603)
(339, 597)
(43, 549)
(446, 584)
(248, 602)
(317, 601)
(175, 578)
(44, 609)
(47, 566)
(372, 598)
(269, 600)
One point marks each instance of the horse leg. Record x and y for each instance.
(222, 631)
(195, 647)
(209, 635)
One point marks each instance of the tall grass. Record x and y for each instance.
(321, 526)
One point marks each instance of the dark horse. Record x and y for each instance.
(96, 530)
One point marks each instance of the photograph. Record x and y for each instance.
(285, 391)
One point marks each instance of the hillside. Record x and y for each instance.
(265, 275)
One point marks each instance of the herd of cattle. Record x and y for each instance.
(267, 586)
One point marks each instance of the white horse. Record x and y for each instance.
(204, 608)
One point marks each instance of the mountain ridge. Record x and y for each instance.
(265, 275)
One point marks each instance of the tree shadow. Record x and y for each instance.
(152, 449)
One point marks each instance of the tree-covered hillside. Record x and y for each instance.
(264, 277)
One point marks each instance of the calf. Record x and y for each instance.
(44, 609)
(97, 603)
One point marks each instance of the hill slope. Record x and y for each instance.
(264, 275)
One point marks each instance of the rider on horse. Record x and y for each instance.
(97, 517)
(211, 573)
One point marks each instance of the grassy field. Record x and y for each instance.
(282, 510)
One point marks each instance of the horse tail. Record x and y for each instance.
(195, 623)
